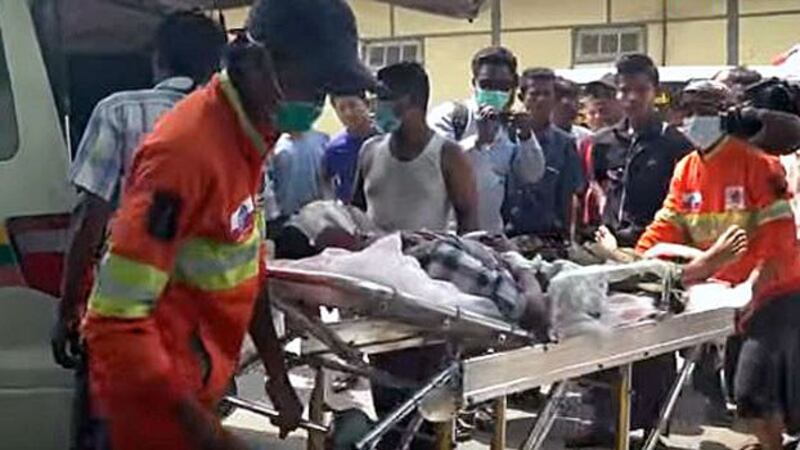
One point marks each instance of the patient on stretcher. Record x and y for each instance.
(477, 272)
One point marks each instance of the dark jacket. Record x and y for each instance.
(543, 207)
(636, 170)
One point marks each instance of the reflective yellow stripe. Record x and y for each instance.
(215, 266)
(119, 307)
(707, 227)
(126, 288)
(236, 103)
(668, 215)
(778, 210)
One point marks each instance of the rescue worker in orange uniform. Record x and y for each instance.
(730, 200)
(177, 290)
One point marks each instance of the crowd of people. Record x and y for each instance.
(528, 153)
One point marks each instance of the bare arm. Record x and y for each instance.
(461, 188)
(270, 351)
(86, 232)
(364, 164)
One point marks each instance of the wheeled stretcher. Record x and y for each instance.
(488, 359)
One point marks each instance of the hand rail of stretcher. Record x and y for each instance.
(384, 296)
(491, 376)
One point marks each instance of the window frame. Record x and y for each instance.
(578, 34)
(368, 45)
(8, 152)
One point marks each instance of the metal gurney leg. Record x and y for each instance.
(672, 399)
(546, 418)
(624, 389)
(374, 436)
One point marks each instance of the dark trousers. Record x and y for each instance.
(413, 365)
(651, 381)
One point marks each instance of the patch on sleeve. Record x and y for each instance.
(162, 218)
(735, 198)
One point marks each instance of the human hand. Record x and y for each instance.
(523, 123)
(488, 124)
(65, 340)
(286, 402)
(730, 245)
(606, 239)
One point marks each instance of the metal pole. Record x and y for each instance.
(263, 410)
(733, 33)
(664, 32)
(500, 423)
(316, 410)
(371, 439)
(624, 418)
(497, 22)
(546, 418)
(672, 399)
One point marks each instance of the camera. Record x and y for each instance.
(771, 94)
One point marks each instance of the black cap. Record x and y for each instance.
(321, 34)
(603, 87)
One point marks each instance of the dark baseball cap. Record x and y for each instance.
(605, 86)
(320, 34)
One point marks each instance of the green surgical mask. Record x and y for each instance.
(496, 99)
(297, 116)
(385, 117)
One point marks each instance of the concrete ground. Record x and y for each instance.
(688, 430)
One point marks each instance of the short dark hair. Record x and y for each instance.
(638, 64)
(407, 79)
(744, 76)
(361, 95)
(539, 73)
(567, 88)
(497, 55)
(190, 44)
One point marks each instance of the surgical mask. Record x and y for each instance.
(496, 99)
(295, 116)
(385, 117)
(703, 131)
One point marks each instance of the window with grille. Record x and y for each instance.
(380, 54)
(599, 45)
(9, 134)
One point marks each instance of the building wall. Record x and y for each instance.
(540, 32)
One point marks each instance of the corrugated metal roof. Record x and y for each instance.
(111, 26)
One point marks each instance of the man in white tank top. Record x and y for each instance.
(411, 178)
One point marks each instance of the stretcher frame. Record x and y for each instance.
(515, 366)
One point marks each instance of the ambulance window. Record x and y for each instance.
(9, 134)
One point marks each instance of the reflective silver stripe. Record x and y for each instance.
(198, 267)
(42, 241)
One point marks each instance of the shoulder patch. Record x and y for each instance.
(162, 218)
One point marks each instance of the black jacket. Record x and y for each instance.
(636, 168)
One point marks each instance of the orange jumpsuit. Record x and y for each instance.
(176, 290)
(735, 184)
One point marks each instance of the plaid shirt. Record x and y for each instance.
(115, 131)
(474, 270)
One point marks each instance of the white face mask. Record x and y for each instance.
(703, 131)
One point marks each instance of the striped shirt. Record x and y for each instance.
(115, 131)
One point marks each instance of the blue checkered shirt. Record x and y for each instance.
(115, 130)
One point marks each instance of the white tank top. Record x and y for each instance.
(407, 195)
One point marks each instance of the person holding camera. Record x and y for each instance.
(497, 141)
(730, 200)
(545, 207)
